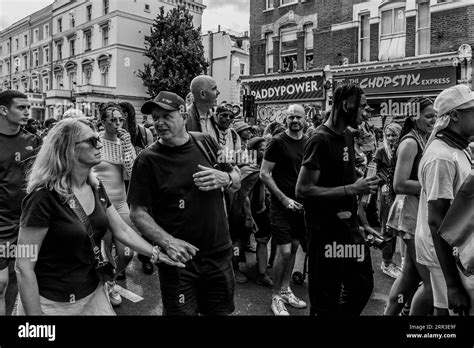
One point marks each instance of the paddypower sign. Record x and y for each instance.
(398, 81)
(290, 89)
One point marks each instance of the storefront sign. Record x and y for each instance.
(300, 88)
(402, 81)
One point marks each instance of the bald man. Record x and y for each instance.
(205, 93)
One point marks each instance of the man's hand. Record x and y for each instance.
(366, 186)
(291, 204)
(209, 179)
(164, 258)
(458, 300)
(123, 135)
(180, 251)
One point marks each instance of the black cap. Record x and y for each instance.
(223, 110)
(164, 100)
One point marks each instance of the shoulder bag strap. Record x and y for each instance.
(82, 216)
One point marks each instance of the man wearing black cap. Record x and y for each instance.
(227, 137)
(171, 181)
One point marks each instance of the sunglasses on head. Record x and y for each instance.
(94, 141)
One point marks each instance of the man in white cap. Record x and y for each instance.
(279, 172)
(444, 167)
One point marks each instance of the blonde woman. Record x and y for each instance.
(63, 279)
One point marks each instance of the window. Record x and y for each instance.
(308, 47)
(89, 12)
(364, 38)
(287, 2)
(423, 31)
(73, 22)
(25, 86)
(8, 47)
(105, 36)
(35, 85)
(46, 54)
(288, 45)
(25, 61)
(46, 83)
(88, 37)
(35, 58)
(59, 80)
(392, 37)
(72, 48)
(242, 69)
(60, 25)
(60, 51)
(46, 30)
(72, 80)
(106, 6)
(269, 53)
(8, 67)
(1, 50)
(104, 73)
(17, 45)
(87, 73)
(268, 4)
(36, 35)
(25, 40)
(147, 8)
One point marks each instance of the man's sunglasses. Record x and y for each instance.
(94, 141)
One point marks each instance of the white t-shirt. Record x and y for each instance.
(442, 171)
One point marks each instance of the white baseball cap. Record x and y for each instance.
(296, 110)
(456, 97)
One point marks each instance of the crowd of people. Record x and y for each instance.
(193, 192)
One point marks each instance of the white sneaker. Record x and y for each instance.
(391, 270)
(278, 306)
(289, 298)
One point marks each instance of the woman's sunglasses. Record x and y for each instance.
(94, 141)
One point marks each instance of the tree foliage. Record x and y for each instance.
(175, 51)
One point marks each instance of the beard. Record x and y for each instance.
(350, 117)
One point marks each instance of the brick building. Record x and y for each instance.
(394, 49)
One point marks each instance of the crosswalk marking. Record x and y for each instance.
(131, 296)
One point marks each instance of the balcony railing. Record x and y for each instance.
(59, 93)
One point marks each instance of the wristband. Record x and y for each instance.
(231, 182)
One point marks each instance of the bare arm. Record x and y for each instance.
(29, 237)
(406, 154)
(149, 137)
(209, 179)
(457, 296)
(267, 179)
(130, 238)
(306, 186)
(177, 249)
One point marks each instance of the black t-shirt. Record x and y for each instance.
(16, 154)
(65, 268)
(334, 156)
(162, 180)
(287, 154)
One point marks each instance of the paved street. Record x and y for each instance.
(250, 298)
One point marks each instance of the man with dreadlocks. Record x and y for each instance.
(338, 284)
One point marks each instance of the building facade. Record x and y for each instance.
(394, 49)
(82, 53)
(228, 56)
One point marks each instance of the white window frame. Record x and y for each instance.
(288, 31)
(72, 47)
(89, 14)
(104, 75)
(87, 74)
(269, 4)
(59, 51)
(36, 34)
(308, 45)
(25, 61)
(362, 39)
(25, 40)
(59, 23)
(46, 31)
(268, 53)
(88, 40)
(105, 4)
(392, 45)
(105, 39)
(284, 3)
(419, 29)
(35, 58)
(17, 44)
(46, 54)
(46, 83)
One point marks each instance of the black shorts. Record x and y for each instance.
(8, 238)
(264, 226)
(286, 225)
(205, 286)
